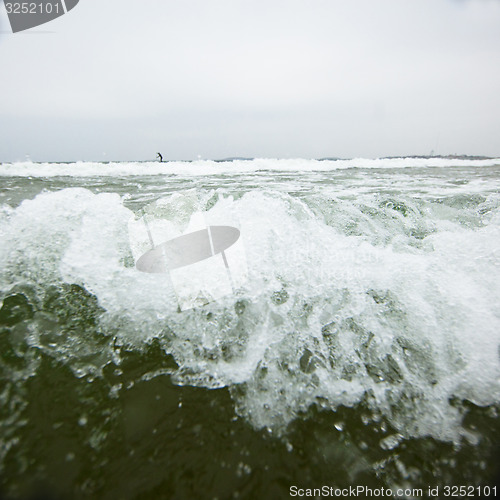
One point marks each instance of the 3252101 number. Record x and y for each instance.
(470, 491)
(32, 8)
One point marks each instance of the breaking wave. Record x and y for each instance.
(209, 167)
(386, 301)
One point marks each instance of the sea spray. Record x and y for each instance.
(368, 326)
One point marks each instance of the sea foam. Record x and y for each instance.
(209, 167)
(386, 302)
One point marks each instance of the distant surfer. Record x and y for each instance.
(158, 155)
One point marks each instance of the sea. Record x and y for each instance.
(359, 356)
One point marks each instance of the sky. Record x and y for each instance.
(212, 79)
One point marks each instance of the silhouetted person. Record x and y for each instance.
(158, 155)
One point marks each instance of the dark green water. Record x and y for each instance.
(99, 399)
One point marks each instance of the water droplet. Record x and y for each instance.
(390, 442)
(339, 426)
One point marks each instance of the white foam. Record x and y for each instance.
(328, 315)
(208, 167)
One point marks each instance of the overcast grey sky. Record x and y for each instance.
(122, 79)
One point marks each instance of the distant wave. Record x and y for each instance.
(231, 166)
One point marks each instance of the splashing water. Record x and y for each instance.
(372, 286)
